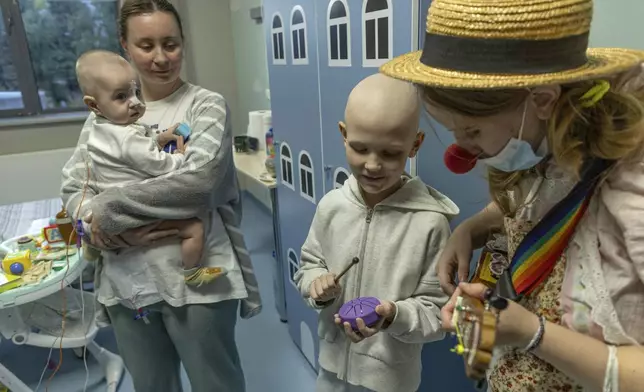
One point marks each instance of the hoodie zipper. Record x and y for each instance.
(363, 249)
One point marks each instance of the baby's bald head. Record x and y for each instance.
(94, 67)
(379, 102)
(110, 88)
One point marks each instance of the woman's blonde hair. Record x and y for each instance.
(611, 129)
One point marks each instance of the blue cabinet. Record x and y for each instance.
(291, 38)
(318, 50)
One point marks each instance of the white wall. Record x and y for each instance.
(250, 62)
(28, 138)
(210, 59)
(618, 23)
(32, 176)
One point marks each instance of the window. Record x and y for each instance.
(293, 266)
(377, 32)
(39, 48)
(298, 36)
(286, 163)
(339, 45)
(307, 184)
(339, 177)
(277, 32)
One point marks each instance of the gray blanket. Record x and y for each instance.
(207, 181)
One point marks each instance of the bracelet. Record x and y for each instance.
(538, 336)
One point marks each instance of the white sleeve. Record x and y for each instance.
(142, 153)
(76, 189)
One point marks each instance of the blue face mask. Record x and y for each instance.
(517, 154)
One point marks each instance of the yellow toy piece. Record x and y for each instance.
(22, 258)
(459, 349)
(12, 281)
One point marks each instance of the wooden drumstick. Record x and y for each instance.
(346, 269)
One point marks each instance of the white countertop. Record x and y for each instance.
(252, 165)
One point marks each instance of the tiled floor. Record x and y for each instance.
(271, 360)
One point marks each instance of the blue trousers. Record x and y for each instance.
(202, 337)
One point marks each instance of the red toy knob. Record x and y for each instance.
(458, 160)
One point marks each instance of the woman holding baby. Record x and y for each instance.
(159, 321)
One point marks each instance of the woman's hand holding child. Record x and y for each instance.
(141, 236)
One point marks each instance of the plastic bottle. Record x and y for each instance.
(65, 226)
(270, 153)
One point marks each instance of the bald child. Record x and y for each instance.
(121, 150)
(395, 227)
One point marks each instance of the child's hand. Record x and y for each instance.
(324, 288)
(181, 147)
(387, 312)
(167, 136)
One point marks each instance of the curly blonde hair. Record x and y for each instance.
(612, 129)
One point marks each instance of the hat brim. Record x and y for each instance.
(601, 62)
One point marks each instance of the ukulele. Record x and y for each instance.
(475, 328)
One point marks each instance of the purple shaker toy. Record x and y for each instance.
(361, 307)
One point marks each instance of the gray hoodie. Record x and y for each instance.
(398, 243)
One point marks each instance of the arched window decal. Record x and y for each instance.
(339, 177)
(337, 9)
(339, 34)
(377, 32)
(277, 34)
(286, 165)
(298, 36)
(307, 179)
(376, 5)
(293, 266)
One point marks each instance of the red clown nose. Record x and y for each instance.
(458, 160)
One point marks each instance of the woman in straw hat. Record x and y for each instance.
(561, 128)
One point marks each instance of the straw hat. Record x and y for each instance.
(493, 44)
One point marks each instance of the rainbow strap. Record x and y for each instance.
(537, 254)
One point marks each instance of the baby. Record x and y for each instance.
(395, 227)
(121, 150)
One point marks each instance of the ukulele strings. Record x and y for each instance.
(460, 347)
